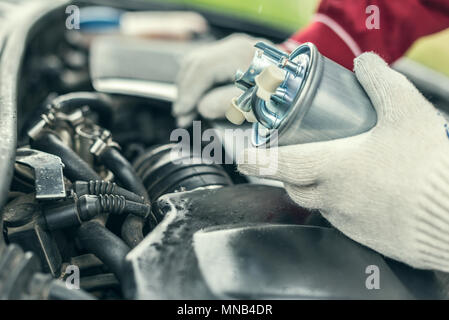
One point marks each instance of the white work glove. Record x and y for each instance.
(207, 67)
(387, 188)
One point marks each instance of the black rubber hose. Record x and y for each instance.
(97, 187)
(132, 228)
(98, 102)
(75, 168)
(87, 207)
(109, 248)
(123, 171)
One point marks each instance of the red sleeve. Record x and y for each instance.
(339, 29)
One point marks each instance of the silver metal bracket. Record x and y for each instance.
(49, 178)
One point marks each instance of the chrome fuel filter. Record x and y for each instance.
(299, 98)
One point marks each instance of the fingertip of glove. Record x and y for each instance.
(175, 110)
(367, 60)
(207, 113)
(181, 107)
(215, 104)
(210, 109)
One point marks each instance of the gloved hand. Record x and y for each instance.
(387, 188)
(207, 67)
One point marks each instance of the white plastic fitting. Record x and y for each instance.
(268, 81)
(234, 114)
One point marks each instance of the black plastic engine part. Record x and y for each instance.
(162, 174)
(21, 222)
(151, 268)
(291, 262)
(153, 275)
(163, 171)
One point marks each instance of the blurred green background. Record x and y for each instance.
(290, 15)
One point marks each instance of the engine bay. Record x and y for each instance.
(92, 198)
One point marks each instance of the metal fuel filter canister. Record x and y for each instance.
(299, 98)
